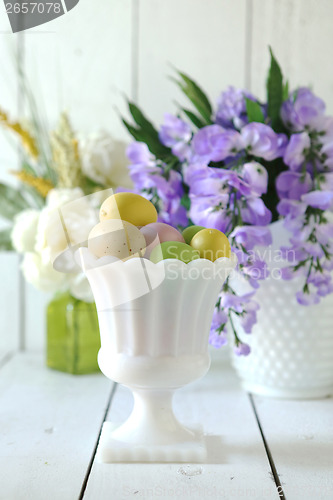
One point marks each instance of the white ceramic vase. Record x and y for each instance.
(154, 324)
(292, 345)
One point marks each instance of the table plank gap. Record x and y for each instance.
(268, 451)
(237, 464)
(300, 438)
(86, 478)
(49, 425)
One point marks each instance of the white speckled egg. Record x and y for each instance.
(117, 238)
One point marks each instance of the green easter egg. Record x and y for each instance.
(190, 231)
(174, 250)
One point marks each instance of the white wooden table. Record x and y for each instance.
(258, 448)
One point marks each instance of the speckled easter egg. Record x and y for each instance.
(190, 231)
(116, 238)
(211, 244)
(129, 207)
(174, 250)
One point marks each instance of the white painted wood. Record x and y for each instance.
(80, 62)
(10, 301)
(237, 466)
(300, 438)
(49, 425)
(300, 33)
(204, 39)
(9, 290)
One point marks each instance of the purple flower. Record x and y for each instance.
(205, 211)
(291, 208)
(255, 269)
(219, 318)
(326, 181)
(256, 176)
(242, 349)
(173, 213)
(287, 273)
(255, 212)
(324, 233)
(175, 134)
(214, 143)
(249, 318)
(139, 154)
(307, 298)
(319, 199)
(294, 155)
(235, 302)
(231, 108)
(318, 278)
(261, 140)
(314, 249)
(293, 185)
(282, 144)
(218, 339)
(302, 109)
(250, 236)
(195, 171)
(324, 289)
(293, 254)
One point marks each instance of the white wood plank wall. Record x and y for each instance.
(88, 59)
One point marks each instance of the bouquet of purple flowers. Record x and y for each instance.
(237, 169)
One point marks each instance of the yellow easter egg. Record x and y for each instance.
(116, 238)
(129, 207)
(211, 244)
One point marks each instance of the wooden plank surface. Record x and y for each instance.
(300, 438)
(207, 40)
(237, 465)
(300, 33)
(49, 424)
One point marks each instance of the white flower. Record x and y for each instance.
(104, 160)
(25, 230)
(79, 287)
(41, 274)
(66, 219)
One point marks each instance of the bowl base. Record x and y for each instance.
(288, 393)
(111, 450)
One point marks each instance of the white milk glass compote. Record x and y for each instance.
(154, 324)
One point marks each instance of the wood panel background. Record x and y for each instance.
(86, 61)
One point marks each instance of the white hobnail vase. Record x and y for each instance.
(291, 345)
(154, 324)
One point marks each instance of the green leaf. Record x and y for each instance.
(141, 120)
(5, 240)
(285, 94)
(186, 201)
(254, 111)
(194, 118)
(153, 143)
(11, 202)
(196, 96)
(274, 92)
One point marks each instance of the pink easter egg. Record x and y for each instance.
(152, 239)
(159, 232)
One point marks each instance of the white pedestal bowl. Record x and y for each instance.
(154, 323)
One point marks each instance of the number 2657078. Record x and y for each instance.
(33, 8)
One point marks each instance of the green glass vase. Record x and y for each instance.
(73, 339)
